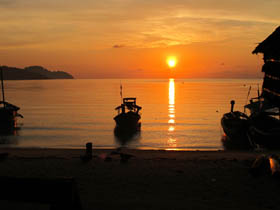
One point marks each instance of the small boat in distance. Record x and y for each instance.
(8, 112)
(128, 116)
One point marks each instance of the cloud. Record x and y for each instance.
(138, 24)
(118, 46)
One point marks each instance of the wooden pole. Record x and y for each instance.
(2, 83)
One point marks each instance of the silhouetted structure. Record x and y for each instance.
(262, 127)
(270, 48)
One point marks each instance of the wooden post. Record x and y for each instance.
(2, 83)
(89, 150)
(232, 102)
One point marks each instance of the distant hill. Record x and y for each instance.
(33, 73)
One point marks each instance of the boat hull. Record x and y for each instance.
(265, 131)
(128, 122)
(235, 124)
(8, 119)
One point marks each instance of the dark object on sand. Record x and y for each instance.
(274, 166)
(89, 149)
(261, 166)
(60, 193)
(8, 112)
(88, 155)
(128, 116)
(125, 157)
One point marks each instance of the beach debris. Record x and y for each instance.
(274, 166)
(105, 157)
(88, 154)
(125, 157)
(261, 166)
(266, 165)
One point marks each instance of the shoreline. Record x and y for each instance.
(150, 179)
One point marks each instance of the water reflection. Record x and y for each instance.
(125, 138)
(9, 136)
(171, 142)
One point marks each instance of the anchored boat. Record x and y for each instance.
(8, 112)
(128, 116)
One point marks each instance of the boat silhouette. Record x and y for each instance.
(8, 112)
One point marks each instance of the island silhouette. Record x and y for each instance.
(33, 73)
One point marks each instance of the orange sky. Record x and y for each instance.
(132, 38)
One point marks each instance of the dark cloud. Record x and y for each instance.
(118, 46)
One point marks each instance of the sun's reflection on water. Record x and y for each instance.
(171, 142)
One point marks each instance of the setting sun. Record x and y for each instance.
(171, 61)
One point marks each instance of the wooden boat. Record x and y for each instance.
(8, 112)
(235, 125)
(128, 116)
(265, 131)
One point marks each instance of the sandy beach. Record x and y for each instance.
(149, 179)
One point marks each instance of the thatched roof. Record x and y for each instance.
(270, 47)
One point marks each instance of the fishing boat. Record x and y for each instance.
(265, 131)
(235, 125)
(8, 112)
(128, 117)
(262, 126)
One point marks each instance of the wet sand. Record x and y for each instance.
(150, 179)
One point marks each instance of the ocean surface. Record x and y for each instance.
(176, 114)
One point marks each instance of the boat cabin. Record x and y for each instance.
(128, 105)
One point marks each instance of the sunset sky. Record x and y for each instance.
(133, 38)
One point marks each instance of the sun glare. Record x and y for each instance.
(171, 61)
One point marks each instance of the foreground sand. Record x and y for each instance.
(151, 179)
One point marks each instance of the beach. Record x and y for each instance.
(149, 179)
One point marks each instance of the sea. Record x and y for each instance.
(177, 114)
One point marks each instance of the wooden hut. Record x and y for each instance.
(270, 48)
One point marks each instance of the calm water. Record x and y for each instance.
(176, 114)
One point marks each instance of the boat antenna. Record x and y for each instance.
(2, 83)
(248, 94)
(121, 91)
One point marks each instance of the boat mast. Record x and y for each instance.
(121, 91)
(2, 84)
